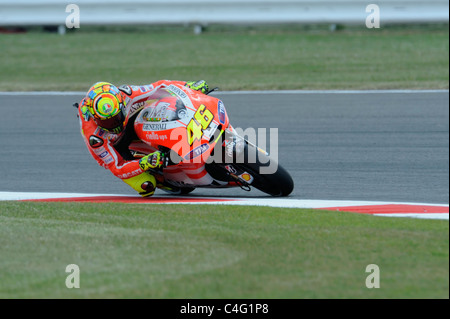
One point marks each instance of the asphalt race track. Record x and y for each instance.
(337, 146)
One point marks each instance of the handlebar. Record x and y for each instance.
(212, 90)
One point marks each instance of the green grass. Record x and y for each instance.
(247, 59)
(184, 251)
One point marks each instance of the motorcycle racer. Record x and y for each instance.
(104, 114)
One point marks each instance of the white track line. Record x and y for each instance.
(34, 195)
(329, 92)
(32, 93)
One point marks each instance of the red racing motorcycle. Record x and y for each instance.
(203, 149)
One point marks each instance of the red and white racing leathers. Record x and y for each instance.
(104, 146)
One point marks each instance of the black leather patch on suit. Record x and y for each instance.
(95, 141)
(126, 89)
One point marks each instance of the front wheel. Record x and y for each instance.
(241, 159)
(279, 183)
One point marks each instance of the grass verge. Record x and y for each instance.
(267, 59)
(184, 251)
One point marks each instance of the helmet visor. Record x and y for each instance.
(113, 124)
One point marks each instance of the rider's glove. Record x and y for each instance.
(152, 161)
(200, 86)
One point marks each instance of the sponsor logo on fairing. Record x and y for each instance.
(246, 177)
(154, 127)
(153, 137)
(229, 147)
(157, 113)
(177, 91)
(181, 94)
(197, 151)
(221, 110)
(135, 107)
(230, 169)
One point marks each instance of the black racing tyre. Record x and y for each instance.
(173, 190)
(279, 183)
(186, 190)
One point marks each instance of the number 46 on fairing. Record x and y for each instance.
(200, 122)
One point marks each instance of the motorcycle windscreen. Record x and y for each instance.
(186, 126)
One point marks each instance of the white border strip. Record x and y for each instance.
(273, 202)
(442, 216)
(70, 93)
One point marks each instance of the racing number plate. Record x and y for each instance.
(202, 118)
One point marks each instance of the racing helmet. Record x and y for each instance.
(107, 106)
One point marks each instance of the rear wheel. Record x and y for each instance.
(173, 190)
(186, 190)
